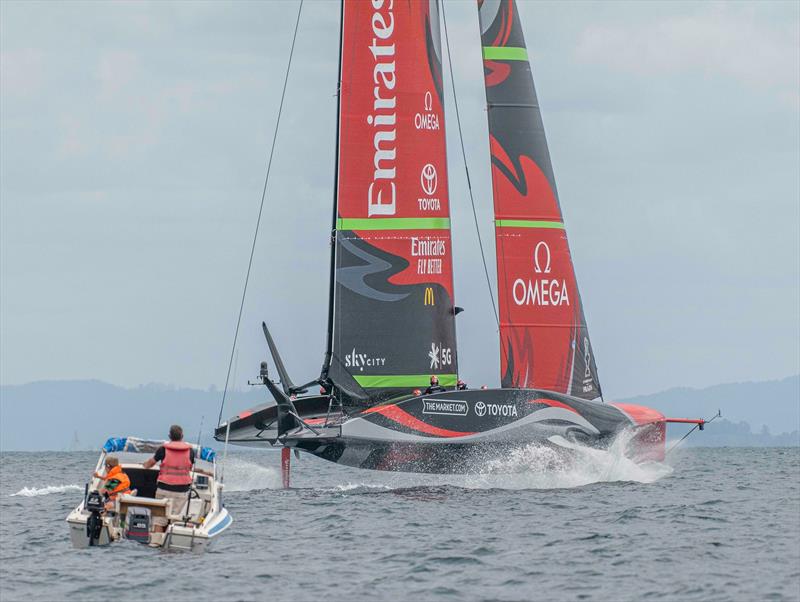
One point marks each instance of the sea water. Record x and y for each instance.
(708, 524)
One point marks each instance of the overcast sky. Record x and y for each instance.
(134, 139)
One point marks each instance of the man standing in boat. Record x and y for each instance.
(175, 474)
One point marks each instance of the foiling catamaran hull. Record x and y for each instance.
(447, 432)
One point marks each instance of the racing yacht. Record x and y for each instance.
(392, 311)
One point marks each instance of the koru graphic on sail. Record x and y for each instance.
(392, 313)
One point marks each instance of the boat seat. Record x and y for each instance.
(157, 507)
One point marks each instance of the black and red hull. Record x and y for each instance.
(449, 432)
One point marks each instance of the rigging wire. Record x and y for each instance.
(466, 169)
(260, 212)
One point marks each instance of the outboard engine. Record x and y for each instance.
(138, 524)
(94, 524)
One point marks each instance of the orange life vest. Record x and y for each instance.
(116, 482)
(176, 467)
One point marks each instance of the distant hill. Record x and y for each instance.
(64, 415)
(773, 404)
(82, 414)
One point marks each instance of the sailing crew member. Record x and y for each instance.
(115, 482)
(461, 385)
(175, 474)
(435, 386)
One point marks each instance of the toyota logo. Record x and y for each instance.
(480, 408)
(428, 179)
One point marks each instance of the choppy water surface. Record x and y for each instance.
(713, 524)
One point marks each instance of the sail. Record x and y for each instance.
(392, 312)
(543, 336)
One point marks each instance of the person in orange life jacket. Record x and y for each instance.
(115, 482)
(461, 385)
(435, 386)
(175, 474)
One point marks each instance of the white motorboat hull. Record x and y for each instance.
(176, 537)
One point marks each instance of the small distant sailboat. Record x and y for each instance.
(392, 314)
(75, 444)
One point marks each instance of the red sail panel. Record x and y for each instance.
(393, 320)
(544, 340)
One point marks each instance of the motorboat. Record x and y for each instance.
(191, 527)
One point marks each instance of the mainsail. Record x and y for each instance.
(392, 307)
(543, 335)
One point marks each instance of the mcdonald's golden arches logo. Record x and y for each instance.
(429, 300)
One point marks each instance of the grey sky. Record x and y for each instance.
(133, 145)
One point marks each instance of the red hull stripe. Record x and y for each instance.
(554, 404)
(640, 414)
(402, 417)
(686, 420)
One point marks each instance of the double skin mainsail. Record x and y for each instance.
(393, 322)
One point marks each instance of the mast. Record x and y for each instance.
(332, 281)
(543, 334)
(393, 322)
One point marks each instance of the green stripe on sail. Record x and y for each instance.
(505, 53)
(393, 223)
(527, 223)
(401, 381)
